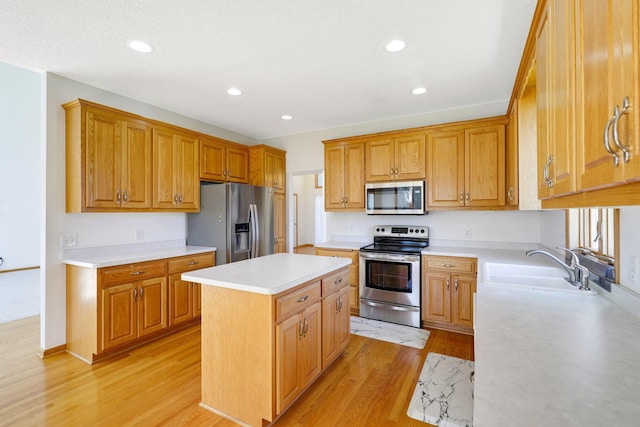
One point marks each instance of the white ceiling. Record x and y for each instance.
(322, 61)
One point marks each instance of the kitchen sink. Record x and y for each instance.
(528, 277)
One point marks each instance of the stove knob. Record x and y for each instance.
(422, 231)
(378, 229)
(382, 229)
(411, 230)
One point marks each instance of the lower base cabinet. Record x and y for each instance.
(447, 292)
(354, 278)
(115, 308)
(269, 354)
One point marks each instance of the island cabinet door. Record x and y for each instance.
(335, 325)
(180, 300)
(298, 354)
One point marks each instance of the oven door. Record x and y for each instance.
(390, 278)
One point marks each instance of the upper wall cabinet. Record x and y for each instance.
(343, 176)
(176, 184)
(555, 88)
(223, 161)
(267, 167)
(108, 155)
(608, 101)
(511, 159)
(395, 158)
(466, 166)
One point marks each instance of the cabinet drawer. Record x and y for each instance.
(335, 281)
(191, 262)
(297, 300)
(129, 272)
(462, 265)
(352, 255)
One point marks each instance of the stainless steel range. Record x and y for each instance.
(390, 274)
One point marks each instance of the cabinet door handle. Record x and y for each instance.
(118, 197)
(180, 198)
(125, 198)
(194, 263)
(300, 330)
(616, 137)
(137, 273)
(141, 292)
(306, 327)
(175, 199)
(303, 299)
(447, 284)
(456, 283)
(337, 282)
(468, 198)
(135, 294)
(607, 145)
(510, 194)
(391, 172)
(461, 197)
(449, 265)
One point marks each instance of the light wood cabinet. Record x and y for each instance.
(447, 292)
(608, 65)
(222, 161)
(108, 159)
(280, 223)
(298, 354)
(512, 186)
(267, 167)
(344, 176)
(176, 182)
(395, 158)
(184, 297)
(269, 354)
(466, 166)
(555, 92)
(354, 277)
(114, 308)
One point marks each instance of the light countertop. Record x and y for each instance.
(343, 244)
(555, 359)
(109, 256)
(269, 275)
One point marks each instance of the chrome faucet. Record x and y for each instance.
(578, 274)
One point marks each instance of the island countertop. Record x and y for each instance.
(268, 275)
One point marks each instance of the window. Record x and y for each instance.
(593, 230)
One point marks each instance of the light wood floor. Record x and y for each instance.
(159, 384)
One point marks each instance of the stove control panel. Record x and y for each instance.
(401, 231)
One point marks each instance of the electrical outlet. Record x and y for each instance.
(633, 270)
(139, 234)
(467, 233)
(68, 240)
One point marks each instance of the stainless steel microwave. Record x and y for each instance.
(395, 198)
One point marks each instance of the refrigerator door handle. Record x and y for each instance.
(256, 231)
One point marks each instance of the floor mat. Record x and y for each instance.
(390, 332)
(444, 393)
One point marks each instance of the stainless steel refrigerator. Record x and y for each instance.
(235, 218)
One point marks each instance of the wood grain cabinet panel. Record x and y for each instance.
(108, 159)
(176, 178)
(185, 297)
(448, 286)
(344, 176)
(395, 158)
(222, 161)
(466, 166)
(267, 167)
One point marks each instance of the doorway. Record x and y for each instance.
(308, 219)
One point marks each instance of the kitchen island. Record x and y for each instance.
(270, 327)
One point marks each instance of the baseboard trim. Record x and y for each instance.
(20, 269)
(43, 354)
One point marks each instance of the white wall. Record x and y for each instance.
(304, 187)
(20, 101)
(92, 229)
(629, 244)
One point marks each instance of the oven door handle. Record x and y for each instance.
(389, 257)
(389, 306)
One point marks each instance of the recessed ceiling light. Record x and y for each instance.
(140, 46)
(234, 91)
(395, 46)
(286, 117)
(419, 90)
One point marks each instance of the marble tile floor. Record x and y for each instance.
(390, 332)
(444, 393)
(19, 295)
